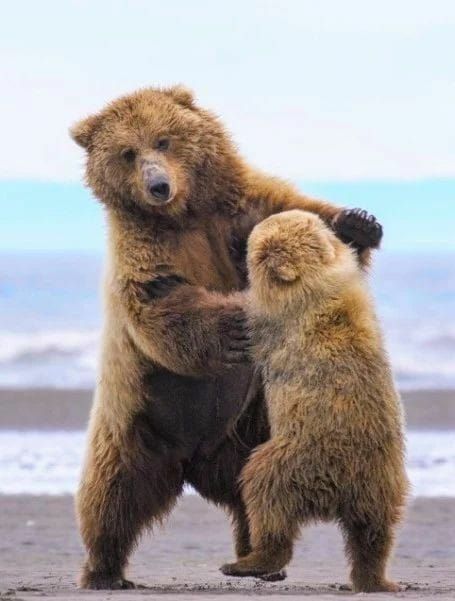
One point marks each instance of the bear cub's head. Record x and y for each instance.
(155, 150)
(294, 257)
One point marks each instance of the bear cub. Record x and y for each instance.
(336, 450)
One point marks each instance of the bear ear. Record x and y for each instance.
(328, 253)
(278, 263)
(182, 95)
(324, 245)
(82, 132)
(284, 271)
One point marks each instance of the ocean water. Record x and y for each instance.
(50, 462)
(57, 216)
(50, 317)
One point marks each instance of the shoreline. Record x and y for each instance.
(68, 409)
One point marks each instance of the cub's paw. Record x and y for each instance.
(382, 586)
(236, 569)
(235, 338)
(357, 227)
(161, 286)
(274, 576)
(250, 567)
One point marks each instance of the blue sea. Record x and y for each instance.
(51, 254)
(50, 318)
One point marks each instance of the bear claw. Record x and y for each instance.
(274, 576)
(357, 227)
(235, 338)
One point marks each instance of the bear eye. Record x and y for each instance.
(163, 144)
(128, 154)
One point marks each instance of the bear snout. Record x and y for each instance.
(159, 188)
(157, 183)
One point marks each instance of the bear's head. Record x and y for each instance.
(155, 150)
(293, 257)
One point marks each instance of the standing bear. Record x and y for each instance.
(175, 371)
(336, 447)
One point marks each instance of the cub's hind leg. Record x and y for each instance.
(368, 521)
(368, 545)
(242, 541)
(274, 509)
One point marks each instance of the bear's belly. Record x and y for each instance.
(193, 414)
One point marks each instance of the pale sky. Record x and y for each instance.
(325, 89)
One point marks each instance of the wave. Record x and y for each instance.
(422, 358)
(68, 342)
(61, 358)
(33, 462)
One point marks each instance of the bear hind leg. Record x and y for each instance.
(273, 510)
(368, 546)
(113, 506)
(242, 544)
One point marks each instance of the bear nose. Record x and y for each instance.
(159, 188)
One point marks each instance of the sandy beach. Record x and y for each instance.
(40, 554)
(40, 550)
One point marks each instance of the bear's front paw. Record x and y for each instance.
(357, 227)
(235, 338)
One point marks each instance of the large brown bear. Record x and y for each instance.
(180, 204)
(336, 450)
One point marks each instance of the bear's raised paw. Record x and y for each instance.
(359, 228)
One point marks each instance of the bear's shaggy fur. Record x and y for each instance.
(336, 447)
(174, 374)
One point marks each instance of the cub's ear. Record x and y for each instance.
(284, 271)
(278, 263)
(82, 132)
(182, 95)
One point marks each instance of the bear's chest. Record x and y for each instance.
(210, 256)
